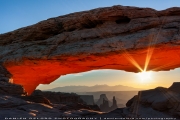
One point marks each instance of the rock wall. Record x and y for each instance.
(58, 97)
(7, 87)
(89, 99)
(59, 100)
(104, 107)
(158, 102)
(119, 37)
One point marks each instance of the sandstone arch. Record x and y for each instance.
(118, 37)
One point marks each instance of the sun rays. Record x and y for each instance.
(150, 50)
(145, 72)
(132, 60)
(153, 39)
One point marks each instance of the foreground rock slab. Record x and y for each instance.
(14, 107)
(158, 102)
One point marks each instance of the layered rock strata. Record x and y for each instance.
(119, 37)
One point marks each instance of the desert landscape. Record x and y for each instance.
(155, 103)
(131, 39)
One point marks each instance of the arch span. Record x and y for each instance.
(119, 37)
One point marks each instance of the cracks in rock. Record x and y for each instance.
(55, 46)
(59, 26)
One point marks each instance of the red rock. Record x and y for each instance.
(115, 37)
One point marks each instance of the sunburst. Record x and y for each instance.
(143, 71)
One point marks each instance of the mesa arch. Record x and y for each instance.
(118, 37)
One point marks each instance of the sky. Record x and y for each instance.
(20, 13)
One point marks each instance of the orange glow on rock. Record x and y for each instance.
(31, 73)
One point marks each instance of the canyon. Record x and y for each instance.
(156, 103)
(119, 37)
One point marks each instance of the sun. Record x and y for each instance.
(145, 76)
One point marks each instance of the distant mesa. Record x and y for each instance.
(59, 97)
(94, 88)
(101, 99)
(104, 103)
(114, 106)
(105, 106)
(88, 99)
(155, 103)
(74, 101)
(117, 37)
(121, 96)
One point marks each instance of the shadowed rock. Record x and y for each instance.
(6, 84)
(103, 103)
(156, 102)
(175, 87)
(12, 89)
(89, 99)
(71, 101)
(101, 99)
(58, 97)
(18, 108)
(130, 102)
(36, 99)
